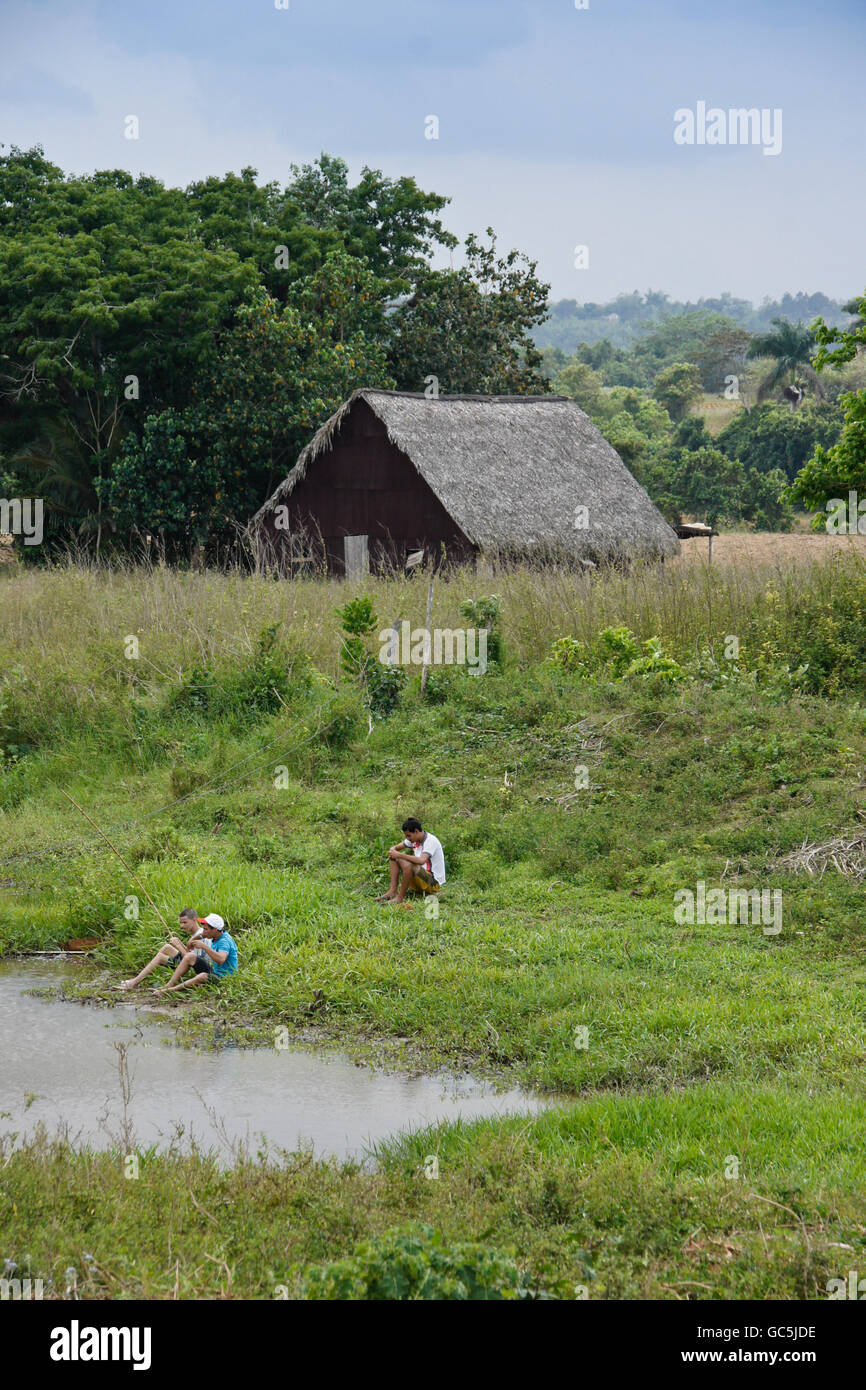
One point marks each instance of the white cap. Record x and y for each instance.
(213, 919)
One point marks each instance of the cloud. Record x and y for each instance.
(556, 125)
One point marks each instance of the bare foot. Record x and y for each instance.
(385, 898)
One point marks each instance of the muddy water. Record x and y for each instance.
(58, 1067)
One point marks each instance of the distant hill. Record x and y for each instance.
(622, 320)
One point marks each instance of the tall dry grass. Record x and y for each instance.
(68, 623)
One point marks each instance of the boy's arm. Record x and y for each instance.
(219, 956)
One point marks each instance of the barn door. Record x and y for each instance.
(357, 556)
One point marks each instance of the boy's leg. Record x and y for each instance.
(394, 866)
(407, 873)
(200, 979)
(162, 957)
(186, 961)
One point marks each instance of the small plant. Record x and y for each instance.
(359, 622)
(12, 746)
(485, 614)
(257, 687)
(654, 662)
(382, 685)
(570, 654)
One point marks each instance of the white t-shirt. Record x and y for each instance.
(430, 845)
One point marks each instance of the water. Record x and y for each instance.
(58, 1067)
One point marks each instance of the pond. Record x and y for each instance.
(60, 1069)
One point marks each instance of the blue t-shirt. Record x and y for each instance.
(230, 964)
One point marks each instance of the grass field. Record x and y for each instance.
(709, 1141)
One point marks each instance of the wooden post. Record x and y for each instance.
(429, 642)
(711, 547)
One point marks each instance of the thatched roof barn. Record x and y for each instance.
(394, 472)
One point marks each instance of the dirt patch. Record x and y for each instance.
(769, 548)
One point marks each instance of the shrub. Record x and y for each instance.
(480, 868)
(254, 688)
(415, 1264)
(617, 655)
(570, 654)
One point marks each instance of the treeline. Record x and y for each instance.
(165, 353)
(717, 422)
(623, 320)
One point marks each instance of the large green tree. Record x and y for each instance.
(773, 437)
(677, 387)
(390, 224)
(164, 353)
(194, 476)
(107, 307)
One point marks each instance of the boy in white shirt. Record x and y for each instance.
(417, 864)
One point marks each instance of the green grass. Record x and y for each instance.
(703, 1041)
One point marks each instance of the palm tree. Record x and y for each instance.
(58, 467)
(790, 345)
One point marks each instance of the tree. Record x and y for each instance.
(771, 437)
(723, 354)
(390, 224)
(677, 387)
(634, 424)
(764, 500)
(678, 338)
(261, 224)
(705, 485)
(790, 345)
(470, 328)
(839, 345)
(688, 476)
(581, 384)
(834, 472)
(107, 306)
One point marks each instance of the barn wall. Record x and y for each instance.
(364, 486)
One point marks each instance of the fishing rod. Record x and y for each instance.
(116, 851)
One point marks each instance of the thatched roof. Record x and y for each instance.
(511, 471)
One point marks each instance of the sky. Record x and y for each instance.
(555, 124)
